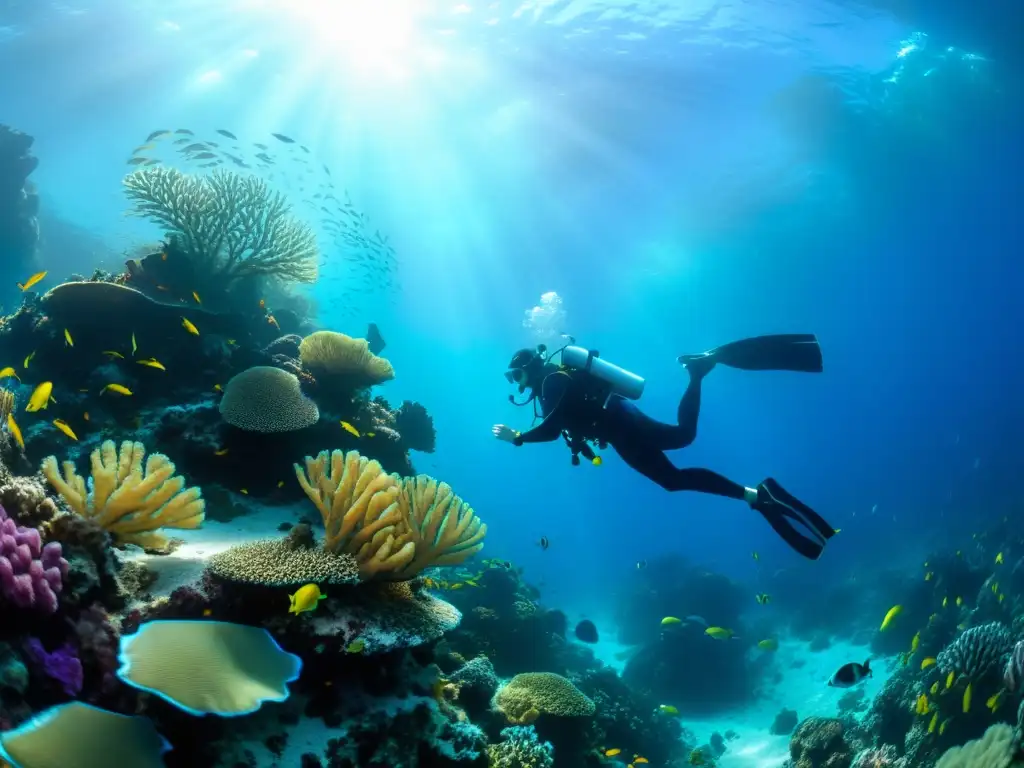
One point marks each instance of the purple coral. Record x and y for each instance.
(63, 665)
(31, 575)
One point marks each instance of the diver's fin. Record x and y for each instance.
(374, 340)
(778, 352)
(799, 510)
(809, 548)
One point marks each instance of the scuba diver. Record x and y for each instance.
(588, 401)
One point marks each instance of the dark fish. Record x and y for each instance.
(209, 165)
(264, 157)
(327, 170)
(152, 161)
(586, 632)
(184, 132)
(303, 149)
(195, 147)
(282, 137)
(204, 156)
(156, 135)
(260, 146)
(179, 142)
(850, 674)
(543, 543)
(229, 134)
(374, 339)
(137, 161)
(641, 564)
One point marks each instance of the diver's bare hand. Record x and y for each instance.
(504, 433)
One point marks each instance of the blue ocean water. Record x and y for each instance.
(678, 175)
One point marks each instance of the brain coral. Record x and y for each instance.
(273, 563)
(545, 692)
(267, 399)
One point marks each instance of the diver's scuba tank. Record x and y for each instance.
(620, 381)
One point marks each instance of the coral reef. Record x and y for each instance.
(267, 400)
(278, 563)
(520, 748)
(343, 363)
(530, 694)
(996, 749)
(416, 427)
(819, 743)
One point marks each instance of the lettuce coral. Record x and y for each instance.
(343, 360)
(231, 226)
(127, 500)
(996, 749)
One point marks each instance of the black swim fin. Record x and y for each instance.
(374, 340)
(778, 352)
(781, 509)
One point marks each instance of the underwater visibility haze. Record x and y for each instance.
(539, 383)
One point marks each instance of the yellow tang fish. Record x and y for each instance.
(934, 690)
(967, 698)
(999, 559)
(719, 633)
(113, 354)
(218, 388)
(995, 587)
(188, 326)
(280, 483)
(152, 363)
(196, 297)
(942, 727)
(371, 434)
(63, 427)
(221, 452)
(949, 679)
(670, 620)
(305, 599)
(895, 611)
(32, 281)
(1002, 597)
(118, 388)
(928, 576)
(995, 700)
(8, 372)
(597, 461)
(244, 491)
(945, 602)
(356, 646)
(922, 705)
(28, 359)
(934, 722)
(925, 663)
(771, 644)
(959, 601)
(637, 759)
(67, 338)
(14, 429)
(915, 642)
(668, 709)
(612, 752)
(135, 346)
(40, 397)
(349, 428)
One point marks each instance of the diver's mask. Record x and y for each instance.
(525, 365)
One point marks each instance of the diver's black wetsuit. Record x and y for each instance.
(571, 401)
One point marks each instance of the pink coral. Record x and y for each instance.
(31, 575)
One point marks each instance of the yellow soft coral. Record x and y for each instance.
(394, 528)
(129, 502)
(343, 359)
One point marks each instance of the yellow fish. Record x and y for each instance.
(771, 644)
(371, 434)
(349, 428)
(922, 705)
(668, 709)
(945, 602)
(196, 297)
(959, 601)
(15, 430)
(949, 679)
(218, 388)
(221, 452)
(612, 752)
(244, 491)
(67, 338)
(28, 359)
(63, 427)
(755, 556)
(915, 642)
(356, 646)
(152, 363)
(85, 415)
(995, 587)
(670, 620)
(1001, 598)
(638, 760)
(999, 559)
(113, 354)
(934, 722)
(942, 727)
(40, 397)
(135, 346)
(995, 700)
(597, 461)
(934, 690)
(967, 698)
(32, 281)
(188, 326)
(305, 599)
(719, 633)
(280, 483)
(930, 661)
(763, 598)
(8, 372)
(928, 576)
(895, 611)
(118, 388)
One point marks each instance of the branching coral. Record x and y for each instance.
(231, 226)
(343, 360)
(530, 694)
(394, 528)
(520, 748)
(130, 501)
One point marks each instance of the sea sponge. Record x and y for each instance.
(545, 692)
(231, 226)
(266, 399)
(996, 749)
(342, 360)
(31, 575)
(978, 652)
(416, 427)
(205, 667)
(131, 504)
(84, 736)
(274, 563)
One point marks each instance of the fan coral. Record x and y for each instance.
(343, 360)
(272, 562)
(31, 575)
(416, 427)
(230, 226)
(520, 748)
(125, 500)
(531, 693)
(996, 749)
(267, 399)
(977, 652)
